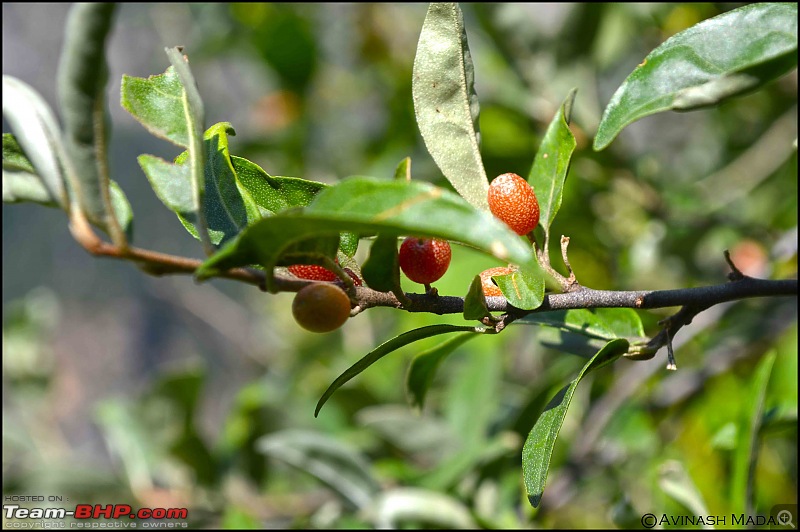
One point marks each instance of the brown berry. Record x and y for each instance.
(424, 260)
(489, 288)
(321, 307)
(511, 199)
(312, 272)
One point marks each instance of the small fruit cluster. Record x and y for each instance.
(321, 307)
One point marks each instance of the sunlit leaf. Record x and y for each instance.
(549, 170)
(523, 288)
(736, 52)
(368, 205)
(475, 307)
(603, 323)
(386, 348)
(445, 102)
(542, 438)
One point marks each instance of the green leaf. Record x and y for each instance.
(369, 205)
(335, 464)
(445, 102)
(603, 323)
(14, 157)
(35, 129)
(348, 243)
(542, 438)
(157, 103)
(20, 182)
(82, 79)
(381, 271)
(386, 348)
(747, 445)
(194, 116)
(523, 288)
(475, 303)
(716, 59)
(227, 206)
(425, 365)
(274, 194)
(121, 208)
(549, 170)
(403, 170)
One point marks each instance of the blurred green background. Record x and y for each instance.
(124, 388)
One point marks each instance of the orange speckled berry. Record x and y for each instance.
(424, 260)
(489, 288)
(321, 307)
(511, 199)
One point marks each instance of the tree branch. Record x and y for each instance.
(691, 300)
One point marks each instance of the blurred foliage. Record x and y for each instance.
(654, 210)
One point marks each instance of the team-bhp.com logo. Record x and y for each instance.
(94, 511)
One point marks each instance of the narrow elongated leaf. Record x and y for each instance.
(542, 438)
(475, 307)
(381, 271)
(445, 102)
(549, 170)
(369, 205)
(603, 323)
(425, 365)
(718, 58)
(523, 288)
(35, 128)
(82, 78)
(747, 445)
(330, 461)
(386, 348)
(194, 116)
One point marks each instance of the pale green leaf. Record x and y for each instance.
(445, 102)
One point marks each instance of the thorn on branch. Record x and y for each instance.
(573, 282)
(671, 365)
(735, 274)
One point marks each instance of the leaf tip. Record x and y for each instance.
(535, 499)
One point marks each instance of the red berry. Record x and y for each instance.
(354, 277)
(321, 307)
(312, 272)
(489, 288)
(511, 199)
(424, 260)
